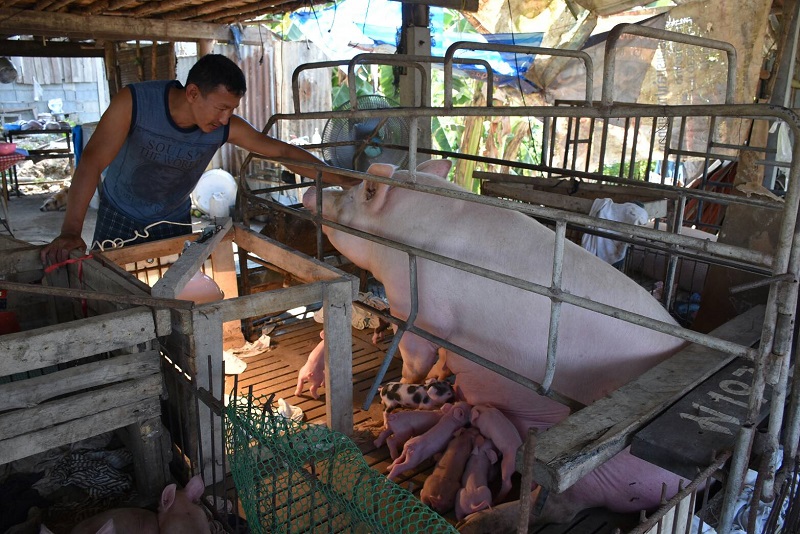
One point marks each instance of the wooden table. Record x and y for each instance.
(37, 155)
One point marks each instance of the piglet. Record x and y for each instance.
(475, 494)
(179, 512)
(400, 426)
(420, 448)
(313, 371)
(496, 426)
(119, 521)
(428, 396)
(440, 488)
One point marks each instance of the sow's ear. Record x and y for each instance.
(439, 167)
(375, 192)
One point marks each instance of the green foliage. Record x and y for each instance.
(365, 84)
(640, 170)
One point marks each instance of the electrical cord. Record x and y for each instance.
(119, 242)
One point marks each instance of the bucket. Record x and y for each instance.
(218, 205)
(8, 322)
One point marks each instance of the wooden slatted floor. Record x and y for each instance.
(275, 372)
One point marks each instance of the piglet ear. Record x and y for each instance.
(195, 488)
(446, 408)
(474, 416)
(492, 455)
(167, 498)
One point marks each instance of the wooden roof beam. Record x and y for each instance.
(163, 6)
(103, 6)
(22, 22)
(37, 48)
(230, 16)
(204, 9)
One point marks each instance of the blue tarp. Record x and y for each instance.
(352, 27)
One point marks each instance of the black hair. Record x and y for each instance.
(213, 70)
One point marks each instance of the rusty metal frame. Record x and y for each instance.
(780, 268)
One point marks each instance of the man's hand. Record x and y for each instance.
(59, 249)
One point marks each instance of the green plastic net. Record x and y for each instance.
(300, 477)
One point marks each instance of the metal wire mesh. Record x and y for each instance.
(299, 477)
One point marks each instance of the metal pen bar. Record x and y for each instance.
(666, 328)
(690, 243)
(555, 306)
(493, 47)
(404, 327)
(609, 60)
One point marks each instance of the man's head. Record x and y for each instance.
(213, 70)
(214, 87)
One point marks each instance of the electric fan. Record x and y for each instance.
(363, 140)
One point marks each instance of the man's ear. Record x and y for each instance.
(192, 92)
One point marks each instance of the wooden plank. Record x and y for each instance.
(584, 440)
(149, 444)
(49, 345)
(19, 422)
(267, 302)
(303, 267)
(114, 278)
(52, 24)
(145, 251)
(118, 298)
(187, 265)
(567, 201)
(338, 356)
(583, 189)
(224, 267)
(27, 393)
(68, 433)
(529, 193)
(208, 363)
(20, 259)
(685, 438)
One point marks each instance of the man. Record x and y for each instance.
(156, 138)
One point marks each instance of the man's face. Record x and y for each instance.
(214, 109)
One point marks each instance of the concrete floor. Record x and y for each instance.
(40, 227)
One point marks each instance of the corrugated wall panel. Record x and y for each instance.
(55, 70)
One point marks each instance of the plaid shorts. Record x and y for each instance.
(113, 226)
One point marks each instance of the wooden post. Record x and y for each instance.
(225, 276)
(337, 306)
(207, 336)
(205, 46)
(154, 60)
(139, 62)
(149, 444)
(112, 71)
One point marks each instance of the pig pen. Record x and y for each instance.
(748, 303)
(80, 387)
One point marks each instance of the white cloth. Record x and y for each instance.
(361, 319)
(742, 507)
(610, 250)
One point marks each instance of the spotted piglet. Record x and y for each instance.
(428, 396)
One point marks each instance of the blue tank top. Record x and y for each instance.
(159, 164)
